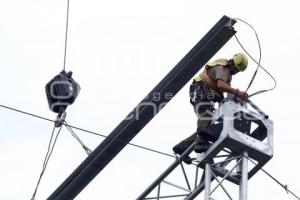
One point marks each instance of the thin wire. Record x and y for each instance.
(285, 187)
(94, 133)
(84, 130)
(26, 113)
(135, 145)
(259, 47)
(86, 149)
(44, 164)
(257, 62)
(46, 159)
(66, 34)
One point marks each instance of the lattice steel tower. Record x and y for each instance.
(241, 135)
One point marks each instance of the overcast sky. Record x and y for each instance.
(118, 51)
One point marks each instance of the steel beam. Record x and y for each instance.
(244, 179)
(207, 181)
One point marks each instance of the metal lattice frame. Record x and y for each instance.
(235, 141)
(258, 143)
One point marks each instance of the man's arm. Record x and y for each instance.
(222, 86)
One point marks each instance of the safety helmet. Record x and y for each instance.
(240, 61)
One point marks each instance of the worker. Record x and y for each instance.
(207, 89)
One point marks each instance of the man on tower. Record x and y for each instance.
(207, 89)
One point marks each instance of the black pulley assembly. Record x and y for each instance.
(61, 92)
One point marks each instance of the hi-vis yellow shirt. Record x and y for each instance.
(216, 70)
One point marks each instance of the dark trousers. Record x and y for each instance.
(203, 110)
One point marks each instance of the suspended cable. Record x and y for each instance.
(259, 47)
(138, 146)
(26, 113)
(84, 130)
(86, 149)
(257, 62)
(285, 187)
(66, 35)
(131, 144)
(46, 159)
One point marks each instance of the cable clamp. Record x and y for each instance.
(286, 188)
(60, 119)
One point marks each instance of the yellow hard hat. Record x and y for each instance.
(240, 61)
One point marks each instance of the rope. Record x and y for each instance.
(85, 130)
(66, 34)
(46, 159)
(257, 62)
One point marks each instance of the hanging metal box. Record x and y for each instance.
(62, 91)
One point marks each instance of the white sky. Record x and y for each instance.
(118, 51)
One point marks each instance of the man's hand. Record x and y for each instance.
(242, 95)
(222, 86)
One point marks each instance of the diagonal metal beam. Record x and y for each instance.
(167, 197)
(146, 110)
(185, 176)
(228, 174)
(166, 173)
(216, 178)
(176, 186)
